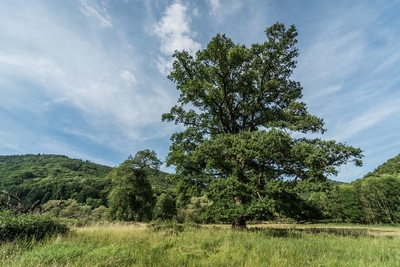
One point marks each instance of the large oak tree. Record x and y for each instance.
(245, 140)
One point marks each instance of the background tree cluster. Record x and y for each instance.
(370, 200)
(81, 189)
(373, 199)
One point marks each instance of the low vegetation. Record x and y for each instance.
(273, 245)
(28, 226)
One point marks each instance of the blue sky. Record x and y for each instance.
(87, 78)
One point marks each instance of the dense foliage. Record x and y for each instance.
(131, 198)
(243, 142)
(370, 200)
(49, 177)
(26, 226)
(391, 166)
(373, 199)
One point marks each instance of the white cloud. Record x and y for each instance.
(220, 11)
(215, 6)
(39, 65)
(346, 77)
(128, 76)
(196, 12)
(63, 78)
(174, 32)
(348, 66)
(330, 61)
(164, 65)
(82, 70)
(105, 19)
(56, 101)
(365, 120)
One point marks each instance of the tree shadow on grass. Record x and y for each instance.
(293, 232)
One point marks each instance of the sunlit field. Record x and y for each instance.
(260, 245)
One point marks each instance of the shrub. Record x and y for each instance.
(165, 226)
(194, 210)
(13, 227)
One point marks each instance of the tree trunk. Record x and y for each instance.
(239, 222)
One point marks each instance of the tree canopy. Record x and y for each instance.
(245, 140)
(131, 198)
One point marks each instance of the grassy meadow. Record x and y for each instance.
(266, 245)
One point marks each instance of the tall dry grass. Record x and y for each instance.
(138, 245)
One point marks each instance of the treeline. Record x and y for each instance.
(87, 190)
(373, 199)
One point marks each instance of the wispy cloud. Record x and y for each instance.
(366, 119)
(348, 68)
(98, 13)
(329, 62)
(128, 76)
(220, 11)
(215, 6)
(56, 101)
(52, 68)
(79, 77)
(342, 70)
(174, 33)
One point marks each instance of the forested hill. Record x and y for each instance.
(391, 166)
(46, 177)
(17, 168)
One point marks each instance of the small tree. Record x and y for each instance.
(239, 142)
(131, 198)
(195, 209)
(165, 207)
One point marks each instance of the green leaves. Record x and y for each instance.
(240, 110)
(373, 199)
(24, 226)
(131, 198)
(236, 88)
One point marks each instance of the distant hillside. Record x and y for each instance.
(17, 168)
(391, 166)
(45, 177)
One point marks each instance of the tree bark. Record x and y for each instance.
(239, 223)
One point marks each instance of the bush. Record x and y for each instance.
(165, 226)
(99, 213)
(194, 210)
(14, 227)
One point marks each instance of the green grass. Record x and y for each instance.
(272, 245)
